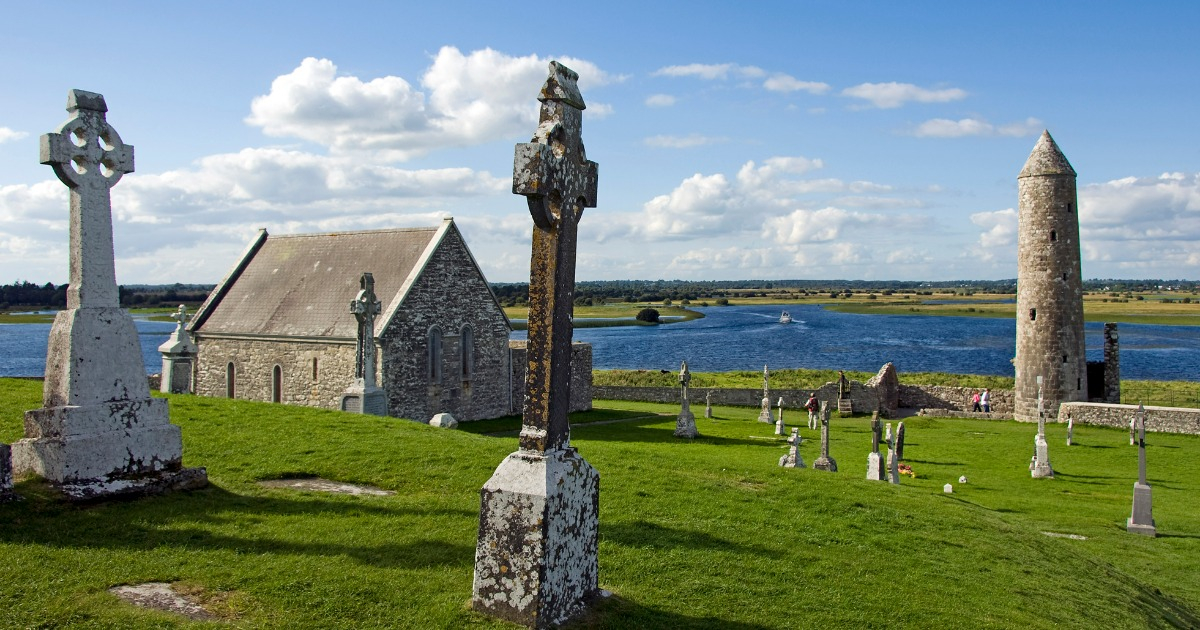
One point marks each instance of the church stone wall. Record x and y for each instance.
(1158, 419)
(254, 361)
(449, 294)
(581, 375)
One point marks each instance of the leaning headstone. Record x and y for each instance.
(536, 561)
(793, 458)
(825, 462)
(779, 421)
(764, 414)
(363, 395)
(1141, 520)
(893, 460)
(708, 404)
(962, 479)
(874, 459)
(685, 424)
(178, 357)
(1041, 450)
(99, 433)
(6, 478)
(443, 421)
(1133, 431)
(900, 441)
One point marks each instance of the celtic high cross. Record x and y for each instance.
(558, 181)
(365, 307)
(88, 156)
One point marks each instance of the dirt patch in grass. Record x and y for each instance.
(316, 484)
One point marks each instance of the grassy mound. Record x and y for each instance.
(709, 533)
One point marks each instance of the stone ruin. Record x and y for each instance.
(537, 557)
(99, 433)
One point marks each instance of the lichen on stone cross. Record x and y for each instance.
(365, 307)
(558, 181)
(88, 156)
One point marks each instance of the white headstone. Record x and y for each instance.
(444, 421)
(948, 488)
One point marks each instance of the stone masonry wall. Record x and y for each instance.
(450, 294)
(1159, 419)
(953, 398)
(581, 375)
(255, 360)
(862, 398)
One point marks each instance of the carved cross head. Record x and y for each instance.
(365, 306)
(552, 170)
(86, 151)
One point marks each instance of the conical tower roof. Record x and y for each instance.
(1046, 159)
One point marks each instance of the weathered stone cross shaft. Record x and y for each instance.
(365, 307)
(558, 180)
(88, 156)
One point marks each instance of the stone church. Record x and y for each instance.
(279, 326)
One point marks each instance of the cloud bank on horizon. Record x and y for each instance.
(344, 150)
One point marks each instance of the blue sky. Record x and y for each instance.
(858, 140)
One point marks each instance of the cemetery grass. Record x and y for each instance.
(701, 534)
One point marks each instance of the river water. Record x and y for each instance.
(746, 337)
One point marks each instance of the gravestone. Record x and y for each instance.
(1070, 431)
(1133, 431)
(6, 478)
(536, 561)
(363, 395)
(893, 460)
(764, 414)
(685, 424)
(793, 458)
(900, 442)
(779, 428)
(874, 459)
(178, 357)
(948, 489)
(99, 433)
(708, 404)
(1041, 450)
(825, 462)
(1141, 520)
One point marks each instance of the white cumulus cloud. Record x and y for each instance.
(660, 100)
(710, 71)
(891, 95)
(462, 100)
(7, 134)
(945, 128)
(787, 83)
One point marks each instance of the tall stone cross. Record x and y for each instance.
(99, 432)
(88, 156)
(558, 182)
(1141, 519)
(365, 307)
(537, 556)
(875, 432)
(1141, 420)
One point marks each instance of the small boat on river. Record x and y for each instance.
(785, 318)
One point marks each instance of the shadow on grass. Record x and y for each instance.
(640, 431)
(619, 612)
(931, 463)
(1059, 473)
(643, 534)
(191, 520)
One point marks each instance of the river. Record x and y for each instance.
(746, 337)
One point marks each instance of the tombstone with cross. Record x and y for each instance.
(99, 432)
(1041, 449)
(364, 395)
(536, 560)
(875, 471)
(178, 356)
(1141, 519)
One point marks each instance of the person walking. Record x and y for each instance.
(813, 407)
(975, 402)
(986, 401)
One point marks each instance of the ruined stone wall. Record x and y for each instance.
(581, 375)
(1050, 340)
(954, 398)
(254, 361)
(1158, 419)
(863, 399)
(449, 294)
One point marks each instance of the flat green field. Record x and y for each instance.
(710, 533)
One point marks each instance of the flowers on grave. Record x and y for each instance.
(905, 469)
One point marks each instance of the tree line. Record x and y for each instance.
(27, 295)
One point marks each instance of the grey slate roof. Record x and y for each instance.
(302, 285)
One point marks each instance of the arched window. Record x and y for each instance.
(230, 377)
(276, 384)
(435, 355)
(468, 352)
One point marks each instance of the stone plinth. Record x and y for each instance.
(1041, 464)
(685, 424)
(875, 467)
(178, 358)
(1141, 521)
(537, 559)
(360, 398)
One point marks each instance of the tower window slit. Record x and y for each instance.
(1053, 236)
(1033, 314)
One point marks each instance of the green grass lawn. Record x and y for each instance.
(703, 534)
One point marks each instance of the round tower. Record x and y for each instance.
(1050, 340)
